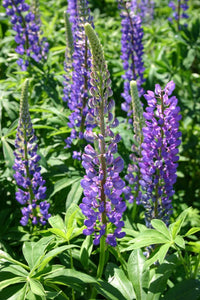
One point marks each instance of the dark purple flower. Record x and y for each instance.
(31, 189)
(77, 67)
(132, 52)
(159, 155)
(27, 28)
(102, 205)
(179, 7)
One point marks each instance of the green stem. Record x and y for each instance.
(196, 267)
(101, 264)
(72, 266)
(183, 262)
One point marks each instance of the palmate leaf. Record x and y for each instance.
(75, 194)
(86, 250)
(33, 252)
(57, 222)
(176, 226)
(51, 254)
(138, 275)
(117, 278)
(6, 257)
(8, 282)
(159, 254)
(108, 291)
(147, 238)
(69, 277)
(160, 226)
(36, 287)
(8, 153)
(63, 183)
(159, 280)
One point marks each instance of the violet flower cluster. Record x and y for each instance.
(132, 52)
(179, 8)
(143, 8)
(102, 203)
(81, 64)
(27, 32)
(31, 189)
(159, 155)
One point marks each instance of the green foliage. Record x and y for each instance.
(58, 262)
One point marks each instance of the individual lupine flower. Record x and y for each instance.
(31, 189)
(133, 191)
(102, 185)
(81, 63)
(179, 9)
(143, 8)
(132, 52)
(27, 32)
(159, 155)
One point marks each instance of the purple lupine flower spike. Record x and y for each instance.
(159, 155)
(179, 10)
(78, 97)
(31, 189)
(132, 52)
(27, 30)
(102, 185)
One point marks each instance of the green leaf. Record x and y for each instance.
(180, 241)
(8, 153)
(185, 290)
(108, 291)
(187, 62)
(158, 254)
(71, 218)
(118, 279)
(6, 257)
(86, 250)
(147, 238)
(58, 233)
(56, 222)
(23, 292)
(33, 252)
(16, 270)
(51, 254)
(193, 247)
(63, 183)
(71, 278)
(137, 274)
(192, 231)
(159, 280)
(74, 194)
(160, 226)
(176, 226)
(36, 287)
(8, 282)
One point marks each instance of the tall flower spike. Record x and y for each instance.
(81, 63)
(27, 32)
(102, 204)
(133, 191)
(159, 155)
(132, 52)
(31, 189)
(179, 11)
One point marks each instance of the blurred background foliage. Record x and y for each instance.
(168, 55)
